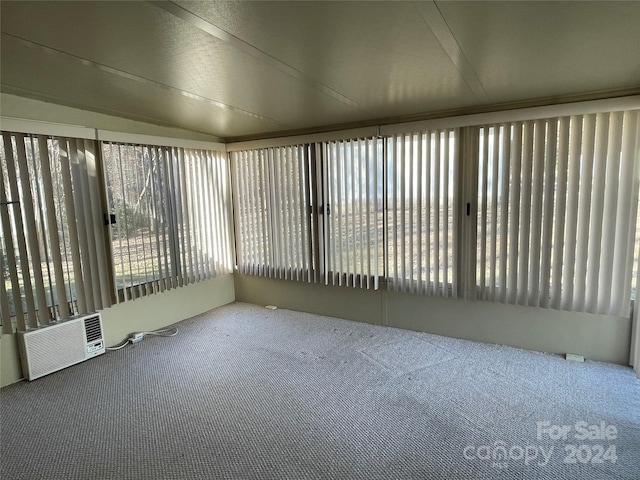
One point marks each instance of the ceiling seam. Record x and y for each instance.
(236, 42)
(436, 22)
(137, 78)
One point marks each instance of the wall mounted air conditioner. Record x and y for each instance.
(50, 348)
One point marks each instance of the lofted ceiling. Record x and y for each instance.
(251, 69)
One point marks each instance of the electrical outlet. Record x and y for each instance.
(572, 357)
(136, 337)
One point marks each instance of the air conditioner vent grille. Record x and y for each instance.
(93, 329)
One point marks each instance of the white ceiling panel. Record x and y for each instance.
(382, 55)
(525, 50)
(235, 69)
(59, 78)
(152, 44)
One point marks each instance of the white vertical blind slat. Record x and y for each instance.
(559, 214)
(505, 157)
(52, 230)
(514, 213)
(612, 181)
(495, 184)
(484, 221)
(428, 214)
(525, 214)
(548, 226)
(66, 163)
(438, 213)
(597, 211)
(625, 226)
(5, 211)
(36, 304)
(570, 239)
(584, 210)
(103, 295)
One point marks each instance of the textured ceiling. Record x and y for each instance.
(238, 69)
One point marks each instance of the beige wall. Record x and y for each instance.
(596, 337)
(143, 314)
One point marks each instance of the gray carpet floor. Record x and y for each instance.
(244, 392)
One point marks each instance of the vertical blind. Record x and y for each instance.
(353, 213)
(172, 212)
(557, 212)
(421, 212)
(173, 216)
(273, 212)
(53, 250)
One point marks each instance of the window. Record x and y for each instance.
(422, 198)
(273, 212)
(172, 211)
(540, 212)
(53, 254)
(557, 212)
(353, 212)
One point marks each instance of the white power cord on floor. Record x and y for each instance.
(138, 336)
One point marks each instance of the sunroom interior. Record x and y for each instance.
(469, 169)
